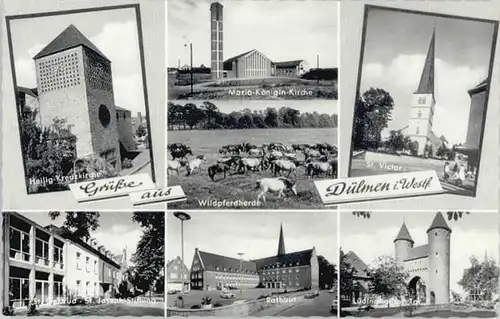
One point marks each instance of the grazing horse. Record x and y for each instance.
(284, 165)
(311, 153)
(174, 166)
(195, 164)
(249, 164)
(233, 149)
(180, 152)
(274, 185)
(217, 169)
(232, 161)
(316, 168)
(255, 152)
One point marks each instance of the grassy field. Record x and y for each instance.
(199, 187)
(205, 89)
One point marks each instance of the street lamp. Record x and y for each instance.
(241, 269)
(183, 217)
(191, 64)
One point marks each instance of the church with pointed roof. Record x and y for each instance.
(291, 271)
(74, 83)
(428, 265)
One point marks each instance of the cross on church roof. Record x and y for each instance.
(70, 38)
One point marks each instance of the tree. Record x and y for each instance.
(149, 257)
(210, 110)
(372, 114)
(271, 118)
(328, 273)
(193, 115)
(141, 131)
(396, 141)
(481, 279)
(347, 274)
(428, 150)
(388, 278)
(78, 223)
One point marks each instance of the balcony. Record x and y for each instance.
(19, 255)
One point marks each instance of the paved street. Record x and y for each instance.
(194, 296)
(114, 310)
(319, 307)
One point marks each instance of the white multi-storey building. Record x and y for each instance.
(49, 264)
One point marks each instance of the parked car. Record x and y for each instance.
(311, 295)
(226, 294)
(172, 292)
(335, 306)
(333, 290)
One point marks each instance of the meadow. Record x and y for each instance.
(199, 186)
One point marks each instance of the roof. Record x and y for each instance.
(439, 222)
(359, 265)
(236, 57)
(426, 85)
(31, 92)
(480, 87)
(302, 257)
(286, 64)
(418, 252)
(404, 234)
(117, 108)
(70, 38)
(69, 235)
(281, 243)
(212, 261)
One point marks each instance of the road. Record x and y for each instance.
(114, 310)
(194, 297)
(318, 307)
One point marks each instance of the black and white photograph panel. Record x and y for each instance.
(251, 154)
(422, 96)
(83, 264)
(424, 264)
(223, 50)
(80, 97)
(259, 264)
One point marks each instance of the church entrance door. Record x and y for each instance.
(433, 298)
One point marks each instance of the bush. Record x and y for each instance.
(127, 163)
(262, 297)
(196, 307)
(206, 300)
(8, 311)
(217, 304)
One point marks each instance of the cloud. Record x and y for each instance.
(118, 238)
(128, 91)
(464, 244)
(452, 82)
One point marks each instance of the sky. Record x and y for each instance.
(474, 234)
(281, 30)
(116, 230)
(255, 234)
(394, 54)
(228, 106)
(114, 32)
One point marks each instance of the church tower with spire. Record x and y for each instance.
(281, 243)
(423, 102)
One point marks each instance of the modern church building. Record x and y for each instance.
(291, 271)
(249, 64)
(74, 82)
(48, 263)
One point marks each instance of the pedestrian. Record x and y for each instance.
(461, 175)
(447, 171)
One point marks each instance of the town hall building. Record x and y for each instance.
(292, 271)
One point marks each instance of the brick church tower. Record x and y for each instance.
(74, 83)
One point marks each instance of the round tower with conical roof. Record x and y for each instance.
(403, 245)
(439, 235)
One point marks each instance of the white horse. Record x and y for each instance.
(284, 165)
(195, 164)
(276, 186)
(173, 166)
(249, 163)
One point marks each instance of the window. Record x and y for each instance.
(296, 270)
(19, 245)
(109, 272)
(418, 130)
(297, 284)
(78, 266)
(104, 115)
(176, 267)
(419, 114)
(297, 277)
(58, 255)
(87, 264)
(42, 251)
(95, 266)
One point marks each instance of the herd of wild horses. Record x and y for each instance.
(283, 161)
